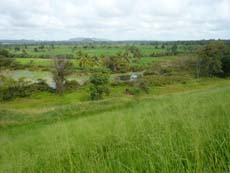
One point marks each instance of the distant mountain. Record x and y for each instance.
(17, 41)
(85, 39)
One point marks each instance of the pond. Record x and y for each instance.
(33, 76)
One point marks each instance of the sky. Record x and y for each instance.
(115, 19)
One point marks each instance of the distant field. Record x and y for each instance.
(37, 61)
(186, 132)
(145, 50)
(48, 62)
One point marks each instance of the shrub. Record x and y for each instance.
(99, 85)
(4, 53)
(133, 91)
(41, 85)
(144, 85)
(12, 89)
(6, 62)
(71, 85)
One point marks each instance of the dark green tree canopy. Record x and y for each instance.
(209, 58)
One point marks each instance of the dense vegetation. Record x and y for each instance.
(115, 106)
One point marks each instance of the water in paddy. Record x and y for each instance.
(33, 76)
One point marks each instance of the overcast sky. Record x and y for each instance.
(115, 19)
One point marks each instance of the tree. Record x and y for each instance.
(117, 63)
(4, 53)
(226, 61)
(35, 49)
(226, 65)
(134, 51)
(174, 49)
(84, 61)
(17, 49)
(5, 60)
(61, 69)
(209, 59)
(99, 85)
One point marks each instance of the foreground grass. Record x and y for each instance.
(186, 132)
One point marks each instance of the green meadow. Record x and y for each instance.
(178, 132)
(157, 110)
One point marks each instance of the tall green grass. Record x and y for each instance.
(187, 132)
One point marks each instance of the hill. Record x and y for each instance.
(86, 39)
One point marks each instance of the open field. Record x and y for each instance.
(141, 108)
(91, 49)
(171, 133)
(112, 86)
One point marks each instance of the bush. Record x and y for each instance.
(41, 85)
(4, 53)
(71, 85)
(99, 85)
(144, 85)
(133, 91)
(11, 89)
(6, 62)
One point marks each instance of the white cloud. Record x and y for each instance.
(115, 19)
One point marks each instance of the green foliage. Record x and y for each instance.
(226, 62)
(226, 65)
(132, 52)
(61, 69)
(133, 91)
(209, 59)
(6, 62)
(41, 85)
(99, 85)
(11, 89)
(35, 49)
(117, 63)
(174, 49)
(71, 85)
(4, 53)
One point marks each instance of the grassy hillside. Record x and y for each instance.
(183, 132)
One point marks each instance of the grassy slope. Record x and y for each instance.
(37, 107)
(173, 133)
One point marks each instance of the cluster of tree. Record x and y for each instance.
(160, 54)
(132, 52)
(117, 63)
(85, 60)
(213, 60)
(6, 60)
(121, 61)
